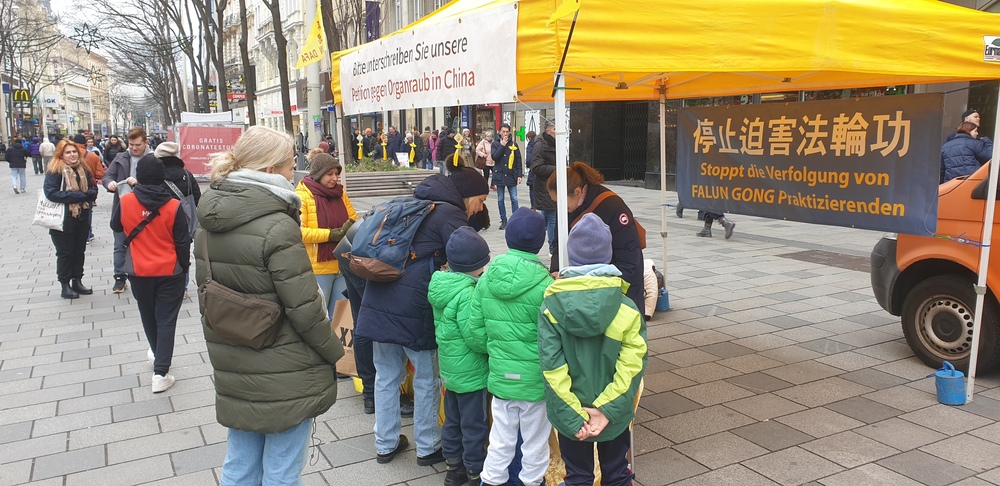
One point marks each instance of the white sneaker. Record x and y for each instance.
(162, 383)
(150, 356)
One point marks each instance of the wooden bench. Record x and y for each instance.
(378, 184)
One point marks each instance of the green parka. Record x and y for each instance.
(462, 369)
(255, 247)
(592, 347)
(504, 323)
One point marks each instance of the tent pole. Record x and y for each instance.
(663, 185)
(984, 263)
(339, 126)
(562, 161)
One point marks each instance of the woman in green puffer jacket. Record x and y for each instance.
(268, 398)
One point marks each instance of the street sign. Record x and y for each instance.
(149, 114)
(331, 109)
(6, 88)
(532, 121)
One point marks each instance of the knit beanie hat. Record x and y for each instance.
(149, 171)
(82, 140)
(470, 182)
(969, 112)
(320, 164)
(525, 231)
(167, 149)
(467, 251)
(589, 241)
(324, 146)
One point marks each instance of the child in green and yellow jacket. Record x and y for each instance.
(463, 370)
(592, 347)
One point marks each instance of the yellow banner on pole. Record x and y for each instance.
(315, 44)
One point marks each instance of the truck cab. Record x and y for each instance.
(929, 281)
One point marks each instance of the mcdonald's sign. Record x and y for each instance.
(21, 95)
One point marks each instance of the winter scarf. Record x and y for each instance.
(331, 213)
(76, 179)
(274, 183)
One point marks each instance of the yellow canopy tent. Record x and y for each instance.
(670, 49)
(623, 49)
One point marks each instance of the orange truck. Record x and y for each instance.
(929, 282)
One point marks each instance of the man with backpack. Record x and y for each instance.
(395, 314)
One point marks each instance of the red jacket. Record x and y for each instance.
(153, 252)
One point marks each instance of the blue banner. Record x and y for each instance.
(871, 163)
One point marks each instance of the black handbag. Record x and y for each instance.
(235, 317)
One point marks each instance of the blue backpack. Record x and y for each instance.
(383, 244)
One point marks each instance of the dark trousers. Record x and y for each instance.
(466, 428)
(36, 163)
(159, 300)
(487, 172)
(364, 354)
(71, 246)
(579, 458)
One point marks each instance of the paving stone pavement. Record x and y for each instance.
(774, 366)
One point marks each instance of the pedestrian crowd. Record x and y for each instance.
(514, 347)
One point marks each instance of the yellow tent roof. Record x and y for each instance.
(622, 49)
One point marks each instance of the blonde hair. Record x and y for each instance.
(257, 149)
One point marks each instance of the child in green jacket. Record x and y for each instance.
(592, 346)
(463, 371)
(505, 313)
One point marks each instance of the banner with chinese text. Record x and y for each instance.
(871, 163)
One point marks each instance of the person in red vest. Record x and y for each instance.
(158, 248)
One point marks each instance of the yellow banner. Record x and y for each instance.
(315, 44)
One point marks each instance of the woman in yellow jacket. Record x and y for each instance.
(327, 214)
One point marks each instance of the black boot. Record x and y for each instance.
(77, 285)
(680, 210)
(457, 474)
(706, 232)
(68, 292)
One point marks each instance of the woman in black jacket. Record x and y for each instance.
(112, 149)
(68, 181)
(583, 186)
(17, 157)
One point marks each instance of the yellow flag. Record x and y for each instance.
(565, 9)
(315, 45)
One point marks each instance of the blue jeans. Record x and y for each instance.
(333, 286)
(500, 201)
(390, 369)
(253, 458)
(17, 174)
(550, 226)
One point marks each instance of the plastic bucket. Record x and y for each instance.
(950, 385)
(663, 301)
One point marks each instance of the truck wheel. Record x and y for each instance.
(937, 322)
